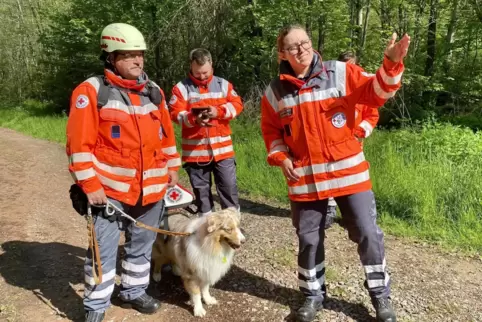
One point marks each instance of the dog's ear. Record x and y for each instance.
(213, 223)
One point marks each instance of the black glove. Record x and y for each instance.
(79, 199)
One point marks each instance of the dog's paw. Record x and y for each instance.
(199, 311)
(209, 300)
(157, 277)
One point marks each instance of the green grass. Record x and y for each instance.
(31, 119)
(427, 180)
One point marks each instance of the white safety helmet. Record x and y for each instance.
(121, 36)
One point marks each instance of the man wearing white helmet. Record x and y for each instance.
(122, 153)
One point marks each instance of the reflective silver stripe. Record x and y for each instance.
(206, 95)
(206, 153)
(367, 74)
(84, 174)
(330, 184)
(146, 109)
(331, 166)
(116, 185)
(275, 143)
(117, 105)
(137, 110)
(105, 293)
(183, 90)
(271, 98)
(379, 283)
(152, 173)
(213, 140)
(182, 117)
(170, 150)
(105, 278)
(94, 82)
(380, 92)
(80, 157)
(174, 163)
(389, 80)
(375, 268)
(316, 285)
(310, 97)
(340, 73)
(367, 127)
(118, 171)
(308, 273)
(227, 112)
(278, 148)
(155, 188)
(230, 110)
(136, 268)
(225, 87)
(129, 280)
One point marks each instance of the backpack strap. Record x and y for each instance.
(103, 93)
(153, 92)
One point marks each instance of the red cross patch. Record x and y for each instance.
(81, 101)
(174, 195)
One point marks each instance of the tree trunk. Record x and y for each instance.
(308, 19)
(450, 38)
(478, 8)
(321, 32)
(358, 24)
(352, 21)
(364, 32)
(431, 38)
(418, 27)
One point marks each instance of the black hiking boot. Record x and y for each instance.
(384, 310)
(92, 316)
(307, 312)
(145, 304)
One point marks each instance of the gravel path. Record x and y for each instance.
(43, 240)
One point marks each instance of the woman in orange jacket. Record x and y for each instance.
(308, 124)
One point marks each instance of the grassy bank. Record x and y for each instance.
(427, 180)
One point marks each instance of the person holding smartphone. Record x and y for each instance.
(204, 104)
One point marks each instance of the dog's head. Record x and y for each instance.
(224, 226)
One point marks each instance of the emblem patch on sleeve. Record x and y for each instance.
(173, 100)
(81, 101)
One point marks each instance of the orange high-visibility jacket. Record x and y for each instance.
(126, 147)
(313, 122)
(203, 144)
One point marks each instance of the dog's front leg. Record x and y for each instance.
(194, 291)
(208, 299)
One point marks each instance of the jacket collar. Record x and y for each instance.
(134, 85)
(198, 82)
(316, 69)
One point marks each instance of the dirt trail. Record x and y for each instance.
(43, 240)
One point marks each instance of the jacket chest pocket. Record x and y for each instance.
(339, 124)
(113, 123)
(339, 121)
